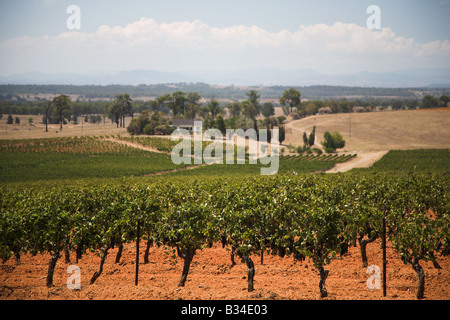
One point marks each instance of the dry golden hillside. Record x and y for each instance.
(379, 131)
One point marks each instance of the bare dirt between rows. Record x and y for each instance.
(212, 278)
(362, 160)
(136, 145)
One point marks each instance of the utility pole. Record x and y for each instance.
(350, 125)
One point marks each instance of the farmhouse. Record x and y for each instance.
(187, 124)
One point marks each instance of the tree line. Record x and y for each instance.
(244, 114)
(319, 92)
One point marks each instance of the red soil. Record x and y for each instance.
(212, 277)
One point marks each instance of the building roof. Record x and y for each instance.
(183, 122)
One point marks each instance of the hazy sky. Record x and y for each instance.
(209, 35)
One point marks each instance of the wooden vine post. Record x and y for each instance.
(384, 253)
(136, 279)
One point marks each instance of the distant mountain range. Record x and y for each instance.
(396, 79)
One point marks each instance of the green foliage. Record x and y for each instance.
(304, 216)
(281, 134)
(429, 101)
(268, 109)
(220, 124)
(62, 105)
(312, 137)
(411, 161)
(38, 160)
(148, 123)
(332, 141)
(444, 100)
(305, 140)
(291, 98)
(121, 108)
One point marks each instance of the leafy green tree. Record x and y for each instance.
(344, 105)
(213, 108)
(281, 134)
(163, 102)
(333, 141)
(311, 108)
(193, 105)
(334, 106)
(429, 101)
(234, 109)
(62, 104)
(121, 108)
(312, 137)
(249, 110)
(253, 98)
(291, 98)
(305, 140)
(396, 104)
(193, 98)
(10, 119)
(148, 122)
(268, 109)
(443, 100)
(178, 103)
(220, 124)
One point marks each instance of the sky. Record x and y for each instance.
(331, 37)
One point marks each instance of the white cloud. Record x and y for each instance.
(179, 46)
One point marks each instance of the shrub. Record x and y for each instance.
(163, 129)
(333, 141)
(146, 123)
(149, 129)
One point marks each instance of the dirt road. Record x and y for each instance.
(362, 160)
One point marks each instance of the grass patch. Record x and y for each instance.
(24, 161)
(411, 161)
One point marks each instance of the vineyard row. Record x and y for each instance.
(316, 216)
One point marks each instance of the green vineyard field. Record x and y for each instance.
(314, 216)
